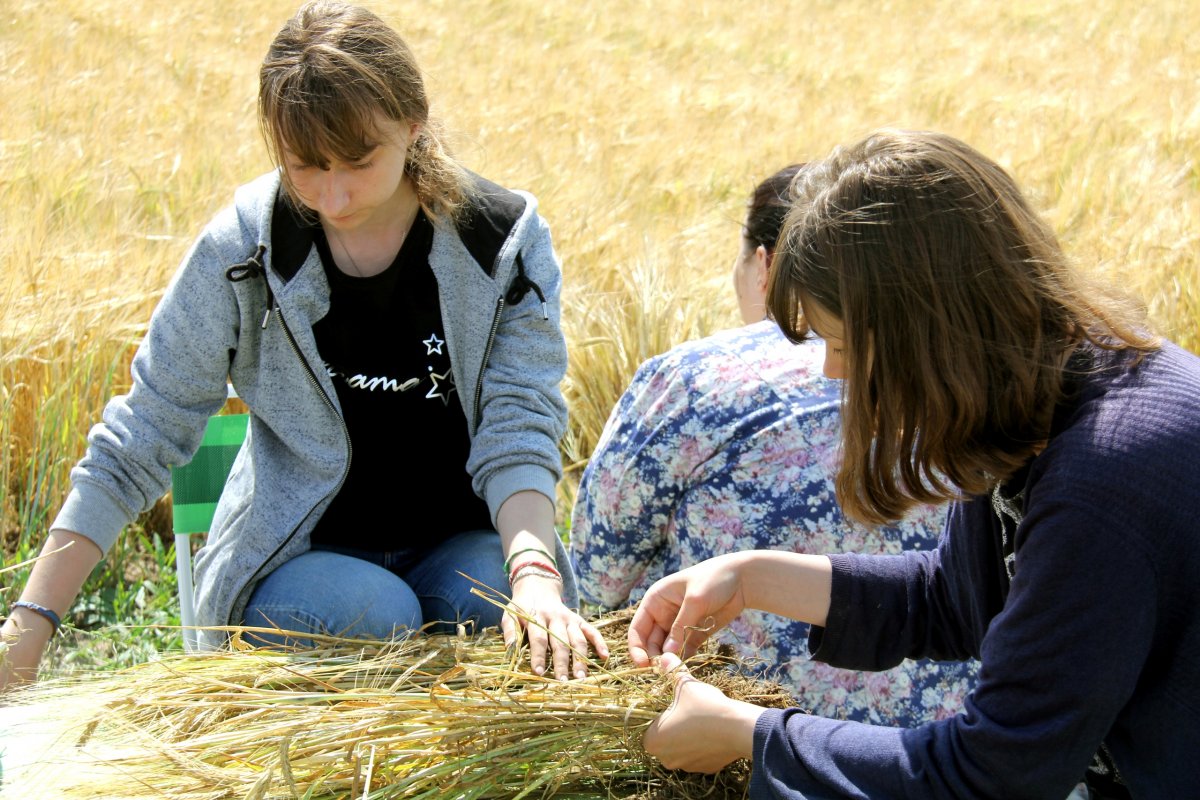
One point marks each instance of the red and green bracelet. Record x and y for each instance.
(534, 568)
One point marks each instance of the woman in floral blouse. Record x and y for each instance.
(730, 443)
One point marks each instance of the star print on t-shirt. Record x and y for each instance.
(433, 344)
(443, 386)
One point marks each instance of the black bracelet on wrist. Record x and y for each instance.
(41, 611)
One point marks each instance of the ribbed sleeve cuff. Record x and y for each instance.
(824, 642)
(92, 512)
(507, 482)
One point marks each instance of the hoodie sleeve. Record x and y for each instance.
(522, 411)
(179, 375)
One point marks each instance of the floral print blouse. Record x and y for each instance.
(730, 443)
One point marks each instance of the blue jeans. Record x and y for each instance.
(355, 593)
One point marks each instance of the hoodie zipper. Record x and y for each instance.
(312, 378)
(491, 340)
(487, 354)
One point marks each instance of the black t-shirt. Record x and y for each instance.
(385, 349)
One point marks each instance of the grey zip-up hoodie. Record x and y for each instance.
(241, 309)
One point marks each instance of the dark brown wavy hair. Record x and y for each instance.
(768, 207)
(330, 72)
(959, 310)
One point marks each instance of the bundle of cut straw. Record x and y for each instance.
(423, 717)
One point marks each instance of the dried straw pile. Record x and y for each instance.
(430, 717)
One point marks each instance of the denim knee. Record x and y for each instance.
(446, 596)
(329, 593)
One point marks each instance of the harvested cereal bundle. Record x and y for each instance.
(432, 717)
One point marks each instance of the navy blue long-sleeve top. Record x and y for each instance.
(1085, 615)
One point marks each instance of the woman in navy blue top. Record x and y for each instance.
(980, 369)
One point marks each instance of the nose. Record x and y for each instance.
(333, 193)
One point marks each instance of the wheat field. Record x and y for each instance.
(641, 126)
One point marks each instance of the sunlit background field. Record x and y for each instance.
(641, 126)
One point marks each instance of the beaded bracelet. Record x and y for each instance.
(41, 611)
(533, 569)
(542, 565)
(511, 556)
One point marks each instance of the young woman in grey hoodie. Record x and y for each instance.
(391, 321)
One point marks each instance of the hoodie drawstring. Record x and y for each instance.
(251, 267)
(521, 286)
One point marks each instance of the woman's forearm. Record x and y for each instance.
(526, 521)
(54, 582)
(792, 585)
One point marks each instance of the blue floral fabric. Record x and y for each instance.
(730, 443)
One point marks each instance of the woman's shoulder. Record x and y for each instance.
(490, 203)
(1175, 371)
(490, 215)
(728, 375)
(726, 353)
(245, 219)
(1127, 440)
(1122, 402)
(753, 346)
(760, 355)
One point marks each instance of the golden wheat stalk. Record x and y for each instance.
(426, 716)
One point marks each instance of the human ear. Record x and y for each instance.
(762, 269)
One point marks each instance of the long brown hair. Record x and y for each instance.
(330, 72)
(959, 310)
